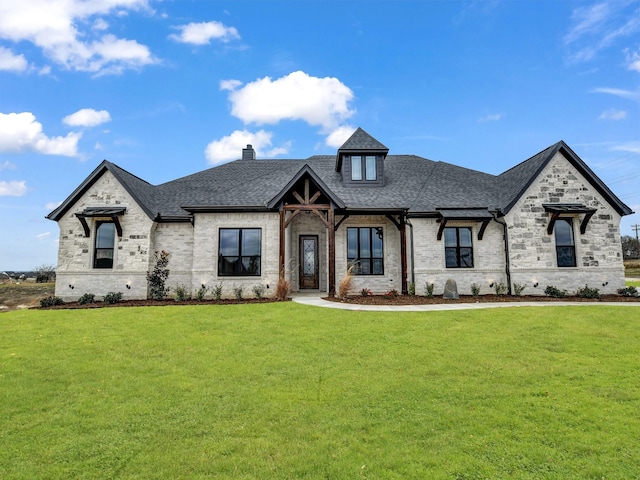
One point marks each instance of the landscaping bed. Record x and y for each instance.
(422, 300)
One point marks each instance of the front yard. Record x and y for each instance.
(286, 391)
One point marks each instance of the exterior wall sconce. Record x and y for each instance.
(71, 287)
(535, 285)
(604, 284)
(128, 286)
(203, 286)
(491, 284)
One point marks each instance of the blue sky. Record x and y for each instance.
(168, 88)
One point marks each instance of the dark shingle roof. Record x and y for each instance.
(412, 184)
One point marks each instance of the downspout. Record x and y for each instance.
(506, 249)
(413, 273)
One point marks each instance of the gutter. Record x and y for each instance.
(506, 250)
(413, 272)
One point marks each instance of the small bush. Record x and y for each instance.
(518, 288)
(216, 291)
(51, 301)
(501, 288)
(201, 292)
(555, 292)
(157, 278)
(475, 289)
(588, 292)
(411, 289)
(428, 289)
(393, 293)
(238, 293)
(365, 292)
(628, 292)
(112, 298)
(87, 298)
(183, 293)
(259, 291)
(283, 289)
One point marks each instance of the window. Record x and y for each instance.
(105, 241)
(365, 250)
(565, 247)
(239, 253)
(458, 247)
(363, 167)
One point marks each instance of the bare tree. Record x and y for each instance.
(45, 273)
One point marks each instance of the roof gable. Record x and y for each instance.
(360, 142)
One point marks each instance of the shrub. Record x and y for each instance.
(411, 289)
(393, 293)
(588, 292)
(157, 278)
(217, 292)
(555, 292)
(238, 293)
(183, 293)
(112, 297)
(201, 292)
(283, 289)
(51, 301)
(87, 298)
(346, 284)
(501, 288)
(365, 292)
(475, 289)
(628, 292)
(259, 291)
(518, 288)
(428, 289)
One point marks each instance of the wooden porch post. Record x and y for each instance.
(332, 251)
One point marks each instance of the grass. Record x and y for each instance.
(633, 283)
(29, 294)
(289, 391)
(632, 268)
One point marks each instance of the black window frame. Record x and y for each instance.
(363, 168)
(369, 264)
(459, 251)
(99, 260)
(239, 267)
(565, 251)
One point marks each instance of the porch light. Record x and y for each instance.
(71, 286)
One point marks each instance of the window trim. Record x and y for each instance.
(355, 262)
(364, 171)
(571, 247)
(457, 248)
(98, 224)
(243, 272)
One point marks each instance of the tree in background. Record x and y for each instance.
(630, 247)
(45, 273)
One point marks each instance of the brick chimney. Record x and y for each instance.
(248, 153)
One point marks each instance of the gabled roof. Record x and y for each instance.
(305, 170)
(360, 142)
(141, 191)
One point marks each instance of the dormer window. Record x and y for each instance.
(363, 167)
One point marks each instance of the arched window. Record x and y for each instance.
(105, 242)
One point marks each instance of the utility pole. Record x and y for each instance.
(636, 227)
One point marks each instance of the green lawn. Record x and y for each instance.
(289, 391)
(633, 283)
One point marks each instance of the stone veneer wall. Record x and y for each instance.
(378, 284)
(533, 252)
(205, 251)
(131, 255)
(429, 257)
(177, 239)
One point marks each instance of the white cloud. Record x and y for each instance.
(230, 147)
(494, 117)
(63, 30)
(12, 63)
(40, 236)
(7, 165)
(618, 92)
(633, 61)
(318, 101)
(203, 33)
(52, 205)
(340, 135)
(87, 117)
(632, 147)
(21, 131)
(613, 114)
(13, 188)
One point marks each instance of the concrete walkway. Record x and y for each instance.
(316, 301)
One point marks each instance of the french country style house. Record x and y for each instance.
(398, 219)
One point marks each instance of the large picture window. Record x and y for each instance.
(458, 247)
(104, 245)
(363, 167)
(240, 252)
(565, 246)
(365, 250)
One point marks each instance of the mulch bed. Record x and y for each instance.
(158, 303)
(435, 300)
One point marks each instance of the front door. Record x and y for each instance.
(309, 277)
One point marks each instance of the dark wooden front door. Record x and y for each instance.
(309, 276)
